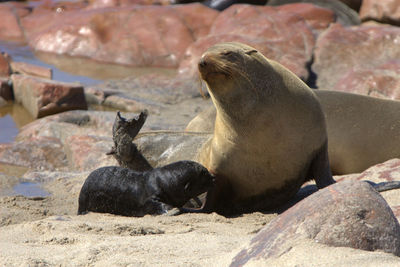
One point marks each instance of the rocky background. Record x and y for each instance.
(351, 46)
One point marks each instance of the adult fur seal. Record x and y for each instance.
(362, 130)
(122, 191)
(269, 137)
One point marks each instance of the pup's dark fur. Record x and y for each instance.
(122, 191)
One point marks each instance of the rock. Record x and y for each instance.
(383, 172)
(339, 50)
(382, 81)
(316, 17)
(30, 69)
(116, 3)
(346, 214)
(10, 29)
(344, 15)
(291, 45)
(385, 11)
(154, 36)
(164, 148)
(70, 123)
(5, 89)
(94, 96)
(3, 102)
(353, 4)
(88, 152)
(125, 103)
(38, 153)
(42, 97)
(4, 64)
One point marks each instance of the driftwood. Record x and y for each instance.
(124, 150)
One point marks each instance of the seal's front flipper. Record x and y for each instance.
(320, 169)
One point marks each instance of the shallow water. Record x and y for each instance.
(12, 118)
(29, 189)
(65, 69)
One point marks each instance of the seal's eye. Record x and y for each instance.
(250, 52)
(227, 53)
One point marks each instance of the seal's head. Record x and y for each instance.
(236, 74)
(180, 181)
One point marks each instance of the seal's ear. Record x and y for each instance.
(250, 52)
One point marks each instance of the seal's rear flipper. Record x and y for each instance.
(385, 186)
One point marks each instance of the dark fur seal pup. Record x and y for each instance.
(122, 191)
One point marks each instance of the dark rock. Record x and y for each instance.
(5, 69)
(5, 89)
(42, 97)
(346, 214)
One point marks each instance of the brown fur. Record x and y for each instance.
(269, 131)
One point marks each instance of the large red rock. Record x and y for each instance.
(340, 50)
(9, 27)
(347, 214)
(42, 97)
(382, 81)
(37, 153)
(132, 35)
(387, 11)
(317, 18)
(88, 152)
(280, 35)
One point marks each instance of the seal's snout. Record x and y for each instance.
(203, 62)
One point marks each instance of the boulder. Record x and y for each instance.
(379, 174)
(280, 35)
(70, 123)
(88, 152)
(347, 214)
(38, 153)
(32, 70)
(317, 18)
(385, 11)
(134, 35)
(10, 29)
(42, 97)
(382, 81)
(339, 50)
